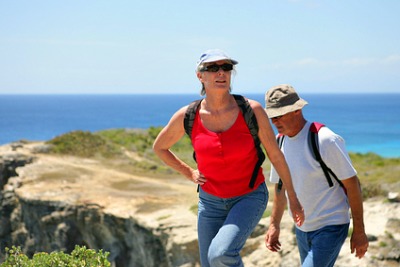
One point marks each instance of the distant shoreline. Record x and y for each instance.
(362, 120)
(193, 93)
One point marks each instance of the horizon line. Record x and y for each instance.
(243, 93)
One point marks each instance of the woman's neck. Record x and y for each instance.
(217, 102)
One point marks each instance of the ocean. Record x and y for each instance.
(368, 122)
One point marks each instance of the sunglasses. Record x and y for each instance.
(276, 118)
(215, 67)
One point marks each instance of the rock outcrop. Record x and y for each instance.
(53, 203)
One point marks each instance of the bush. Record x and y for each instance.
(79, 257)
(82, 144)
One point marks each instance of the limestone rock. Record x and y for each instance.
(52, 203)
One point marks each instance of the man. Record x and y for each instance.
(326, 207)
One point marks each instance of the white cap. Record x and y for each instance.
(213, 55)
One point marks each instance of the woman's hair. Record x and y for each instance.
(203, 89)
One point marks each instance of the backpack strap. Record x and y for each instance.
(313, 143)
(252, 124)
(316, 126)
(279, 140)
(190, 115)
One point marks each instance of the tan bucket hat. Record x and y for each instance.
(282, 99)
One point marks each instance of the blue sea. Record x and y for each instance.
(368, 122)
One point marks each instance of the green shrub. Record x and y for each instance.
(132, 139)
(79, 257)
(141, 141)
(83, 144)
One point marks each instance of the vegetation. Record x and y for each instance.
(79, 257)
(117, 146)
(377, 174)
(83, 144)
(127, 149)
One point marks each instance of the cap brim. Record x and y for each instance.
(218, 58)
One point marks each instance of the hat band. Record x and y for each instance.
(283, 101)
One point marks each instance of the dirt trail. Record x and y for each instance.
(72, 179)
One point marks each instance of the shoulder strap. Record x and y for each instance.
(249, 116)
(313, 141)
(190, 115)
(279, 140)
(316, 126)
(252, 124)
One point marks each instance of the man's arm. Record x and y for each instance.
(359, 240)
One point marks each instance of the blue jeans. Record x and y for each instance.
(321, 248)
(224, 224)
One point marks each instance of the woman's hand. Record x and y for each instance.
(272, 238)
(198, 178)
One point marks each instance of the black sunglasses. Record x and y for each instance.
(215, 67)
(276, 118)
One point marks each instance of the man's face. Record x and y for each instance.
(285, 124)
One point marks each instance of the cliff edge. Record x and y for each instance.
(52, 202)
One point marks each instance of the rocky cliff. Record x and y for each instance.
(56, 202)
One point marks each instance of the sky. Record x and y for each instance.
(151, 47)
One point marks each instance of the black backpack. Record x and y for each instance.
(251, 122)
(313, 144)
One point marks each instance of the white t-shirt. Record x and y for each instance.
(323, 205)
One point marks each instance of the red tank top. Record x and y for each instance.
(226, 159)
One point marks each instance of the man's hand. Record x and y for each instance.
(359, 244)
(297, 211)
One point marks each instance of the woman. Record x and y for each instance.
(228, 208)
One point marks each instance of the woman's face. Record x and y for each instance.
(218, 80)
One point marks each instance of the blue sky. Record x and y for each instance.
(97, 46)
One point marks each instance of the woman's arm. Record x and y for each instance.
(277, 159)
(170, 135)
(278, 207)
